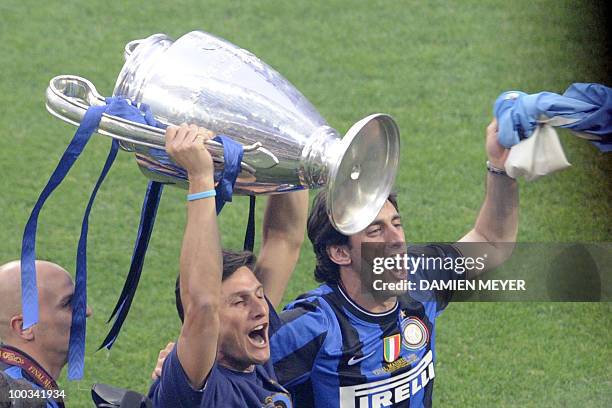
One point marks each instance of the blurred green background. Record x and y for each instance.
(435, 66)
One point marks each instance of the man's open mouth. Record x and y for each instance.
(259, 335)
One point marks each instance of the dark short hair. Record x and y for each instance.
(322, 234)
(232, 261)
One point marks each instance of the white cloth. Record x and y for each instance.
(540, 154)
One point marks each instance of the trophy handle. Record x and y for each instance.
(69, 97)
(130, 47)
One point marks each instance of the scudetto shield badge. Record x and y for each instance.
(392, 348)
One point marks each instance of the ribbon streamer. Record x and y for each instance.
(114, 106)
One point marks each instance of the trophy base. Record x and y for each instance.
(362, 180)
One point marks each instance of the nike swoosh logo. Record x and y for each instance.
(354, 360)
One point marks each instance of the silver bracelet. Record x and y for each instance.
(495, 170)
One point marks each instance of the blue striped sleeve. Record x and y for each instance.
(295, 345)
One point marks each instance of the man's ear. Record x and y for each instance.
(339, 254)
(18, 330)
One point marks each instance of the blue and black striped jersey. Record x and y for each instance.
(329, 352)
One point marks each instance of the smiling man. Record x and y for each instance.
(221, 358)
(346, 344)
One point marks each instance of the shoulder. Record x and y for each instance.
(315, 299)
(313, 304)
(13, 372)
(12, 379)
(305, 322)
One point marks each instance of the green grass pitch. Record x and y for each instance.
(435, 66)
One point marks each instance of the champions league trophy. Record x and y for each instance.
(205, 80)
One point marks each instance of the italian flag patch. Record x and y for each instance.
(392, 347)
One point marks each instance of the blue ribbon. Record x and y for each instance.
(90, 122)
(589, 104)
(145, 228)
(232, 156)
(29, 290)
(76, 347)
(249, 234)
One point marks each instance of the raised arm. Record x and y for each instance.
(200, 262)
(497, 223)
(283, 234)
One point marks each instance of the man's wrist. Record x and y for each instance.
(493, 169)
(498, 164)
(201, 183)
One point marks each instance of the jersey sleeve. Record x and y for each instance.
(439, 257)
(295, 344)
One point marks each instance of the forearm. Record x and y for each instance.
(498, 217)
(283, 235)
(496, 227)
(285, 217)
(275, 267)
(200, 261)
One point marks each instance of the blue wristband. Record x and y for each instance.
(200, 195)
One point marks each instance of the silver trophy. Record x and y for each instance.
(206, 80)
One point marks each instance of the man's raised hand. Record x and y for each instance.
(163, 353)
(185, 144)
(496, 153)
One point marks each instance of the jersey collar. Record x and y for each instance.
(362, 313)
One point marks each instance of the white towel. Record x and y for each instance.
(540, 154)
